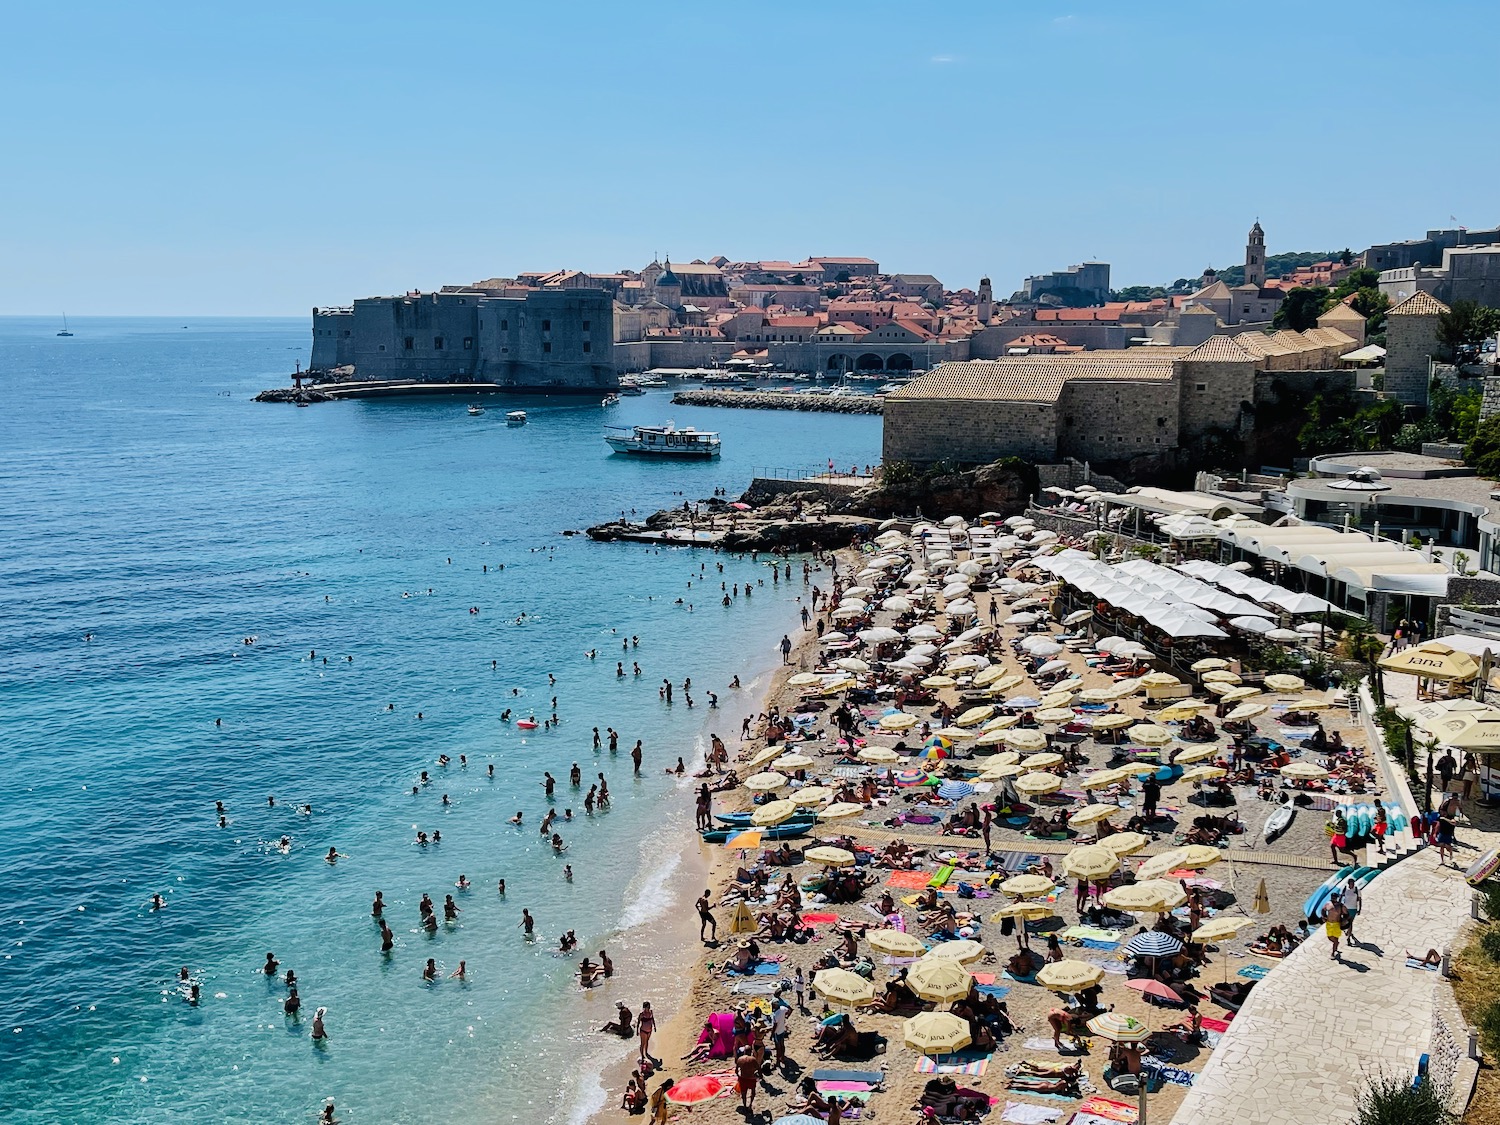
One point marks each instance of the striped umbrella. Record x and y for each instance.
(955, 790)
(1153, 943)
(910, 777)
(1119, 1028)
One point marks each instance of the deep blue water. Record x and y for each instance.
(144, 499)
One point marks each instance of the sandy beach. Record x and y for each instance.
(1286, 871)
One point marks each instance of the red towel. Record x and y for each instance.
(819, 919)
(984, 978)
(1215, 1025)
(909, 880)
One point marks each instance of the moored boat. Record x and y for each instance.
(515, 418)
(663, 441)
(475, 410)
(611, 400)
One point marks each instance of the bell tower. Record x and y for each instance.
(986, 301)
(1255, 257)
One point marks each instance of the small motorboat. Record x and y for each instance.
(1280, 821)
(611, 400)
(515, 418)
(476, 410)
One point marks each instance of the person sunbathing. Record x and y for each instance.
(1033, 1084)
(808, 1100)
(1023, 963)
(1036, 1069)
(1432, 957)
(1189, 1029)
(897, 994)
(840, 1036)
(946, 1098)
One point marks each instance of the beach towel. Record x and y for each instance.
(873, 1077)
(1020, 980)
(889, 960)
(1089, 933)
(1253, 972)
(1023, 1113)
(1094, 943)
(1210, 1024)
(998, 991)
(944, 873)
(844, 1086)
(753, 988)
(1414, 963)
(1109, 1109)
(1173, 1074)
(909, 880)
(819, 919)
(959, 1063)
(1039, 1045)
(983, 978)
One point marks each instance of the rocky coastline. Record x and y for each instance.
(299, 395)
(782, 400)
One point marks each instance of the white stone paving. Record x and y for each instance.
(1300, 1048)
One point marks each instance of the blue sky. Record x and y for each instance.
(263, 158)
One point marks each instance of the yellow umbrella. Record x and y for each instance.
(939, 979)
(1124, 843)
(1001, 772)
(935, 1033)
(1042, 761)
(974, 716)
(1111, 722)
(1092, 814)
(1000, 722)
(1035, 784)
(963, 951)
(764, 782)
(1004, 758)
(900, 720)
(1152, 897)
(1313, 704)
(956, 733)
(1103, 779)
(805, 679)
(742, 920)
(831, 687)
(839, 810)
(896, 943)
(1247, 711)
(1069, 976)
(1096, 695)
(1158, 680)
(1234, 695)
(1262, 902)
(1199, 856)
(773, 813)
(789, 762)
(878, 754)
(986, 677)
(1090, 862)
(842, 986)
(1028, 886)
(1196, 754)
(1004, 684)
(829, 857)
(811, 795)
(1057, 699)
(1177, 713)
(1028, 911)
(1222, 928)
(1208, 664)
(1303, 771)
(1026, 739)
(1054, 715)
(1432, 660)
(990, 738)
(1220, 688)
(1159, 865)
(1204, 773)
(939, 681)
(1285, 683)
(1148, 734)
(770, 753)
(1220, 677)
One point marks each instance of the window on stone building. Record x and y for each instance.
(586, 346)
(382, 347)
(547, 347)
(410, 343)
(505, 326)
(1201, 387)
(437, 343)
(346, 333)
(468, 343)
(546, 326)
(585, 326)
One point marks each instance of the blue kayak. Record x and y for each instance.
(788, 831)
(742, 819)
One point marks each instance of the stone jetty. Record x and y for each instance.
(783, 400)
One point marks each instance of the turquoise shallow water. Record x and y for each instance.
(144, 499)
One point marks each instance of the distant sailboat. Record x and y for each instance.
(65, 331)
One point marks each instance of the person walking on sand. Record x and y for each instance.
(706, 919)
(645, 1024)
(786, 649)
(747, 1077)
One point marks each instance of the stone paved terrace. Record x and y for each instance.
(1299, 1051)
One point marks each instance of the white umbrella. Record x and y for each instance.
(1022, 619)
(896, 605)
(1043, 648)
(960, 607)
(1252, 624)
(878, 635)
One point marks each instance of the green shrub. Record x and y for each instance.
(1489, 898)
(1488, 1026)
(1489, 941)
(1391, 1099)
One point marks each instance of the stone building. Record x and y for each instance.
(1089, 278)
(1467, 273)
(1252, 302)
(1410, 343)
(550, 340)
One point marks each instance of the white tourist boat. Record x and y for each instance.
(475, 410)
(611, 400)
(628, 386)
(515, 418)
(663, 441)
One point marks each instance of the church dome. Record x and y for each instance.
(668, 277)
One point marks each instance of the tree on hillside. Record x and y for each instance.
(1139, 293)
(1356, 280)
(1301, 309)
(1483, 453)
(1466, 324)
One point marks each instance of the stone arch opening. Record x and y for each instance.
(870, 362)
(900, 361)
(838, 362)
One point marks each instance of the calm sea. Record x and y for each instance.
(147, 502)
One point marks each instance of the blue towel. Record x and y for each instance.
(1094, 943)
(1021, 980)
(998, 991)
(768, 970)
(1253, 972)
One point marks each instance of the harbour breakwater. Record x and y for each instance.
(782, 400)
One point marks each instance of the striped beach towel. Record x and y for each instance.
(953, 1064)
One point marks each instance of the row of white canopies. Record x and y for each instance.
(1178, 603)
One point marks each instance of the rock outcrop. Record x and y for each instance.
(782, 400)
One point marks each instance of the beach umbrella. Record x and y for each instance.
(896, 943)
(1057, 699)
(770, 753)
(1197, 754)
(1222, 928)
(1251, 624)
(1000, 722)
(852, 664)
(963, 951)
(811, 795)
(1054, 715)
(1124, 843)
(879, 635)
(1148, 734)
(842, 987)
(1262, 903)
(805, 679)
(1199, 856)
(742, 920)
(1235, 694)
(959, 608)
(1109, 644)
(1103, 779)
(829, 857)
(970, 569)
(1285, 683)
(1092, 814)
(1078, 617)
(940, 681)
(939, 979)
(1247, 711)
(1025, 911)
(840, 810)
(1111, 722)
(1119, 1028)
(1181, 710)
(975, 715)
(1036, 784)
(1159, 680)
(1153, 943)
(764, 782)
(1208, 664)
(968, 663)
(1043, 761)
(1312, 703)
(1004, 758)
(897, 720)
(1043, 648)
(833, 637)
(1051, 668)
(1283, 636)
(935, 1033)
(1028, 886)
(788, 762)
(880, 755)
(955, 790)
(1148, 897)
(1069, 976)
(859, 591)
(1303, 771)
(990, 738)
(956, 734)
(746, 839)
(1204, 773)
(1001, 772)
(1432, 660)
(1149, 987)
(1026, 739)
(775, 812)
(987, 676)
(696, 1090)
(1025, 618)
(908, 778)
(1221, 676)
(1090, 862)
(923, 632)
(1220, 688)
(1004, 683)
(1159, 865)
